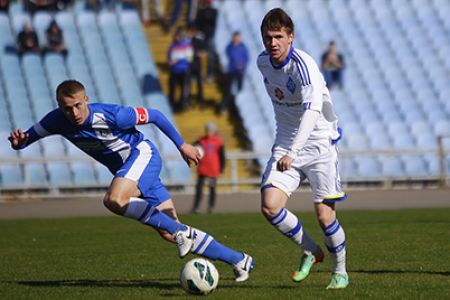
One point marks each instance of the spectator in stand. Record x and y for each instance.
(332, 66)
(27, 40)
(206, 21)
(145, 12)
(210, 165)
(179, 58)
(41, 5)
(198, 43)
(55, 39)
(4, 6)
(237, 55)
(190, 12)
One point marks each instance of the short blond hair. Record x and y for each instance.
(68, 88)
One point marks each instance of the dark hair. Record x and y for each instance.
(68, 88)
(276, 19)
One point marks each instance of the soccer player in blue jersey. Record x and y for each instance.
(305, 146)
(107, 133)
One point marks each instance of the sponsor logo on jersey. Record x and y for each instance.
(288, 104)
(290, 85)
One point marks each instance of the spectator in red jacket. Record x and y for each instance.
(210, 166)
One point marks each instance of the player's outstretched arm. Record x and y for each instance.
(18, 139)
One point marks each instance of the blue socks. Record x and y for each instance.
(142, 211)
(206, 246)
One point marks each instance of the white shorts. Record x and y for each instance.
(318, 162)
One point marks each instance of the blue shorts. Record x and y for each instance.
(144, 166)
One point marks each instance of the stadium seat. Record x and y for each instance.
(414, 166)
(391, 166)
(59, 174)
(83, 173)
(368, 167)
(11, 176)
(53, 147)
(35, 175)
(442, 127)
(104, 176)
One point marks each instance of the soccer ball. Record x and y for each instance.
(200, 149)
(199, 276)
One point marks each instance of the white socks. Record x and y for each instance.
(335, 241)
(290, 226)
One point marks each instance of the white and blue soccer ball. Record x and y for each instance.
(199, 276)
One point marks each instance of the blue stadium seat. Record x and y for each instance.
(433, 164)
(357, 142)
(179, 172)
(5, 150)
(403, 141)
(33, 151)
(53, 146)
(379, 140)
(391, 166)
(104, 176)
(442, 127)
(83, 173)
(414, 166)
(368, 167)
(18, 21)
(41, 21)
(35, 175)
(347, 168)
(59, 174)
(11, 176)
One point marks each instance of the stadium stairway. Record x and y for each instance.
(191, 121)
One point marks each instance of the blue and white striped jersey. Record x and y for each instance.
(294, 87)
(107, 135)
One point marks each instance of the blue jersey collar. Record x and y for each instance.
(291, 51)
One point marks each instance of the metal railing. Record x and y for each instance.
(235, 182)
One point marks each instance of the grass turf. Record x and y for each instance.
(391, 255)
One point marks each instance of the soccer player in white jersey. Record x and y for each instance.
(305, 146)
(107, 133)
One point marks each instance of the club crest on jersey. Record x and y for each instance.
(279, 94)
(290, 85)
(266, 81)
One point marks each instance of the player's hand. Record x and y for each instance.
(190, 154)
(284, 163)
(18, 139)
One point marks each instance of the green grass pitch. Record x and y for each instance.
(401, 254)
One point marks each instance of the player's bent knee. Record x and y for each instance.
(114, 204)
(270, 212)
(325, 218)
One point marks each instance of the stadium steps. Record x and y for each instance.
(191, 121)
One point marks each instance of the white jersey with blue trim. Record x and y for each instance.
(295, 86)
(108, 134)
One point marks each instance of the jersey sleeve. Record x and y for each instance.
(128, 117)
(312, 83)
(131, 116)
(48, 125)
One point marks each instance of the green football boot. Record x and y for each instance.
(338, 281)
(306, 264)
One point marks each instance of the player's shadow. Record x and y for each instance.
(160, 284)
(415, 272)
